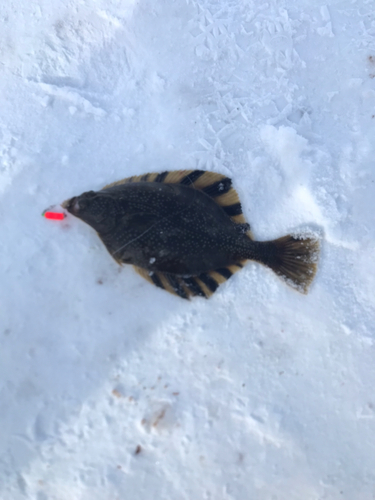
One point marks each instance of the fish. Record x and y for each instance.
(184, 231)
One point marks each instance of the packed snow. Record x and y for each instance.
(111, 388)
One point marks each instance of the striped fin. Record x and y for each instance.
(135, 178)
(168, 177)
(170, 283)
(210, 281)
(217, 186)
(174, 283)
(203, 285)
(148, 276)
(193, 288)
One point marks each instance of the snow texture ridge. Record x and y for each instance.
(111, 388)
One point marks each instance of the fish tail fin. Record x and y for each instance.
(293, 258)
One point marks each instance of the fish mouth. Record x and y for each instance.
(71, 205)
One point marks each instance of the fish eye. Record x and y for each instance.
(85, 199)
(88, 195)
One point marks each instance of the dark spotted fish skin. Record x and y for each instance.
(170, 228)
(184, 231)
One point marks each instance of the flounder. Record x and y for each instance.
(184, 231)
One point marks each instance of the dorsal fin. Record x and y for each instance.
(134, 178)
(217, 186)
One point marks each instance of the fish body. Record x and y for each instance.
(184, 231)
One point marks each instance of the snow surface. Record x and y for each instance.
(113, 389)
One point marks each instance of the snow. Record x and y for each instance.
(111, 388)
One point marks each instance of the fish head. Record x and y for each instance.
(91, 207)
(79, 204)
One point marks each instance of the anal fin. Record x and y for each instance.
(203, 285)
(171, 283)
(193, 288)
(151, 277)
(210, 281)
